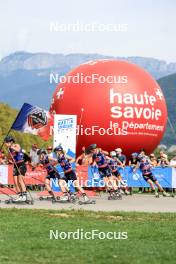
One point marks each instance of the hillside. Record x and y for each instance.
(7, 117)
(25, 76)
(168, 85)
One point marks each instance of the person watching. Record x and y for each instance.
(120, 156)
(34, 156)
(163, 161)
(153, 160)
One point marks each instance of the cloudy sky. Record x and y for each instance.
(143, 27)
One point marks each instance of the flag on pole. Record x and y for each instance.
(34, 120)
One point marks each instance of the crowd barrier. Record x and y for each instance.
(89, 176)
(166, 177)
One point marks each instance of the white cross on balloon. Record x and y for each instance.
(159, 94)
(59, 93)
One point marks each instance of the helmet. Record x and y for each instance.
(41, 151)
(135, 154)
(93, 146)
(9, 139)
(59, 148)
(140, 157)
(90, 148)
(113, 154)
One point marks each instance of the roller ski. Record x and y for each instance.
(86, 200)
(172, 195)
(45, 198)
(49, 197)
(125, 192)
(165, 194)
(123, 188)
(114, 195)
(65, 198)
(73, 198)
(55, 199)
(157, 194)
(22, 199)
(52, 197)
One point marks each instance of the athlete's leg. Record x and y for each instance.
(78, 187)
(18, 188)
(48, 187)
(81, 190)
(21, 182)
(113, 182)
(17, 185)
(108, 183)
(160, 188)
(23, 188)
(150, 182)
(123, 185)
(63, 185)
(65, 190)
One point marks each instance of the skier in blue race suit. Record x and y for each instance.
(146, 168)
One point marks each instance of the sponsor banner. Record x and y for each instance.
(4, 174)
(65, 133)
(36, 177)
(173, 177)
(164, 176)
(89, 176)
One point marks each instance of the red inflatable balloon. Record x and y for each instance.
(117, 103)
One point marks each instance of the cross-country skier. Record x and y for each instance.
(46, 162)
(146, 169)
(69, 173)
(16, 156)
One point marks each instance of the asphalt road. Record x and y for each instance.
(137, 202)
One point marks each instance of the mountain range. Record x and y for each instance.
(25, 77)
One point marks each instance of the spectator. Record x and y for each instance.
(85, 158)
(142, 152)
(34, 156)
(162, 153)
(133, 160)
(51, 153)
(120, 156)
(163, 161)
(153, 160)
(173, 162)
(27, 159)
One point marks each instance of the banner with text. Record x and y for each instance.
(65, 133)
